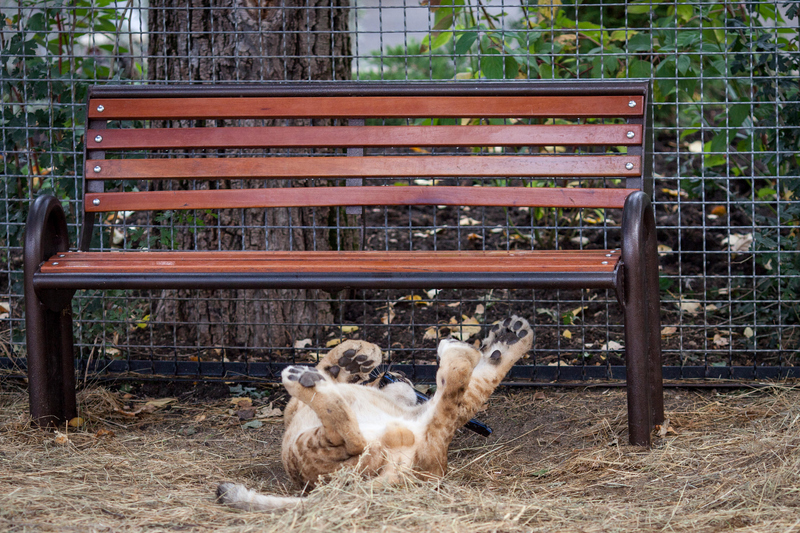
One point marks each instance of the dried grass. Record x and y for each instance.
(558, 463)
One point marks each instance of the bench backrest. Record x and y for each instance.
(580, 130)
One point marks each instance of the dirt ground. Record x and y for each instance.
(148, 458)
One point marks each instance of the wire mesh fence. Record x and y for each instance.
(725, 156)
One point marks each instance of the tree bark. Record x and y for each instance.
(250, 40)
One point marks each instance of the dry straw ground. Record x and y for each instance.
(557, 462)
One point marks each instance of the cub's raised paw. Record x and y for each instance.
(351, 361)
(508, 341)
(305, 376)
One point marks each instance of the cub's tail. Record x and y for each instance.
(241, 497)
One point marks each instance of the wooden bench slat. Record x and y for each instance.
(205, 168)
(364, 136)
(365, 107)
(334, 262)
(367, 196)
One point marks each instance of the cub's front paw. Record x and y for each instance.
(305, 376)
(351, 361)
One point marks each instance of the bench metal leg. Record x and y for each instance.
(48, 320)
(642, 322)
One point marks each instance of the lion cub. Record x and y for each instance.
(336, 417)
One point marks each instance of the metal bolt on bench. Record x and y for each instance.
(611, 113)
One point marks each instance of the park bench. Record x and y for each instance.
(567, 132)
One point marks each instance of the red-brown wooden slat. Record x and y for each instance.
(378, 166)
(249, 255)
(365, 107)
(333, 262)
(369, 196)
(365, 136)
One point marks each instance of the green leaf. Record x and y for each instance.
(640, 69)
(512, 67)
(465, 42)
(719, 143)
(685, 12)
(737, 114)
(441, 39)
(253, 424)
(492, 65)
(545, 71)
(684, 63)
(714, 161)
(634, 9)
(640, 43)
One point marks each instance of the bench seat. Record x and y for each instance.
(441, 269)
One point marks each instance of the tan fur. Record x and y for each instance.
(336, 418)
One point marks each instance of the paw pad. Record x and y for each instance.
(355, 364)
(495, 357)
(307, 377)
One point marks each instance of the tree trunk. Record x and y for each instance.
(250, 40)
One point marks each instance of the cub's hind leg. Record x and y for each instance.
(507, 342)
(457, 361)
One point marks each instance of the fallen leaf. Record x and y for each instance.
(387, 317)
(539, 395)
(664, 429)
(669, 330)
(691, 307)
(349, 329)
(720, 341)
(333, 342)
(268, 411)
(302, 343)
(479, 309)
(416, 298)
(433, 293)
(158, 404)
(675, 194)
(663, 249)
(61, 439)
(576, 312)
(748, 332)
(5, 307)
(199, 418)
(104, 433)
(467, 221)
(253, 424)
(739, 242)
(111, 351)
(719, 210)
(567, 334)
(474, 237)
(611, 346)
(466, 329)
(246, 414)
(142, 324)
(454, 304)
(76, 422)
(431, 334)
(242, 403)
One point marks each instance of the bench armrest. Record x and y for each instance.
(45, 235)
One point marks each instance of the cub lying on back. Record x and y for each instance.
(336, 417)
